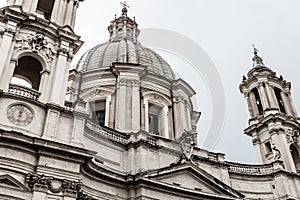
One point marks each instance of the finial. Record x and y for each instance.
(125, 6)
(255, 49)
(257, 61)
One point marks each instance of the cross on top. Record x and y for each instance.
(124, 4)
(255, 49)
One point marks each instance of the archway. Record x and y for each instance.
(295, 155)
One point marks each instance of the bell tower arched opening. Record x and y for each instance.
(45, 8)
(279, 100)
(258, 101)
(296, 156)
(28, 72)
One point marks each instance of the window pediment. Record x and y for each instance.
(157, 99)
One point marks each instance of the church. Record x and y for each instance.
(119, 125)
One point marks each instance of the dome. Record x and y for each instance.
(123, 47)
(125, 51)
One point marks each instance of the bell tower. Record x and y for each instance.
(273, 117)
(37, 46)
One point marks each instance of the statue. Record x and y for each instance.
(277, 154)
(187, 145)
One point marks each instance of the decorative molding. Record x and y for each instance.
(45, 183)
(129, 82)
(36, 43)
(180, 99)
(71, 90)
(293, 136)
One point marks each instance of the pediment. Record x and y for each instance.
(191, 177)
(10, 182)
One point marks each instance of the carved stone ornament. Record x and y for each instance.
(45, 183)
(71, 90)
(187, 144)
(128, 82)
(36, 43)
(277, 154)
(292, 136)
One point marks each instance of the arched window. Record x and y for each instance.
(155, 119)
(27, 73)
(45, 7)
(99, 112)
(279, 100)
(120, 34)
(295, 155)
(258, 101)
(128, 34)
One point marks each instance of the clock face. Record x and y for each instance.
(19, 115)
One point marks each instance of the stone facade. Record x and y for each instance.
(120, 125)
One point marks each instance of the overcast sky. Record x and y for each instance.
(225, 29)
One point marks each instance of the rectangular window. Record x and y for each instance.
(153, 123)
(98, 112)
(268, 147)
(99, 117)
(45, 7)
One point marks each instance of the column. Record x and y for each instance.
(5, 50)
(135, 106)
(249, 105)
(165, 123)
(188, 117)
(263, 96)
(19, 2)
(274, 97)
(120, 106)
(58, 93)
(8, 74)
(43, 85)
(69, 13)
(107, 110)
(253, 104)
(76, 5)
(180, 116)
(33, 6)
(259, 153)
(286, 103)
(146, 106)
(271, 96)
(61, 12)
(55, 10)
(10, 2)
(291, 102)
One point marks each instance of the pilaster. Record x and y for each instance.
(5, 48)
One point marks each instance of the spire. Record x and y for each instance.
(257, 61)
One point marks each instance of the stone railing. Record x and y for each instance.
(212, 156)
(152, 141)
(106, 132)
(255, 169)
(24, 92)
